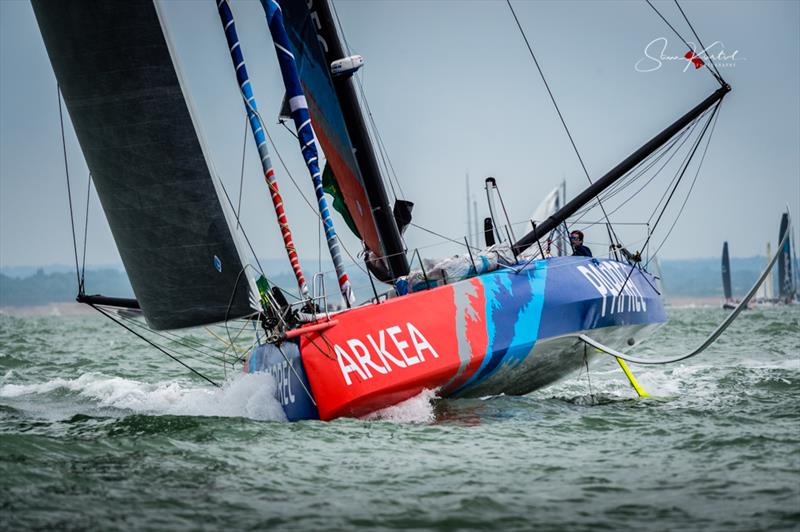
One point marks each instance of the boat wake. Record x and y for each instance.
(418, 409)
(250, 396)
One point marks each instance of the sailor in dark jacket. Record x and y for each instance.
(578, 249)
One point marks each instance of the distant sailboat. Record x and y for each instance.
(726, 279)
(787, 283)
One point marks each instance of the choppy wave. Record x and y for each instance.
(251, 396)
(98, 430)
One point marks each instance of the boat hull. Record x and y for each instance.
(508, 331)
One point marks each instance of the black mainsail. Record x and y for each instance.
(122, 89)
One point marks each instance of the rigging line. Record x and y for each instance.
(684, 134)
(391, 171)
(176, 359)
(677, 182)
(384, 153)
(684, 162)
(632, 178)
(171, 337)
(283, 123)
(235, 339)
(85, 233)
(69, 190)
(340, 27)
(696, 36)
(247, 239)
(241, 174)
(558, 110)
(245, 353)
(688, 194)
(683, 137)
(453, 240)
(230, 300)
(381, 147)
(652, 160)
(678, 174)
(374, 131)
(716, 76)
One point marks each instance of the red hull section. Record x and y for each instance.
(380, 356)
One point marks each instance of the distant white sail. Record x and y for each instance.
(547, 207)
(551, 203)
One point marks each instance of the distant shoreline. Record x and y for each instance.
(49, 309)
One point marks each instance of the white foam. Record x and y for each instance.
(245, 395)
(418, 409)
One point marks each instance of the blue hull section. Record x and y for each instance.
(290, 378)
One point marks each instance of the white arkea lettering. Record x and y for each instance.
(401, 345)
(362, 355)
(371, 358)
(383, 354)
(420, 342)
(348, 368)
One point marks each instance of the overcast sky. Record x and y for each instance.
(454, 92)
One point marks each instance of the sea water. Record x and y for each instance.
(98, 431)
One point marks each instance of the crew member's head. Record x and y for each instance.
(576, 238)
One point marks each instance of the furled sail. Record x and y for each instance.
(135, 127)
(328, 120)
(341, 129)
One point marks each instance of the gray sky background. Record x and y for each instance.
(453, 90)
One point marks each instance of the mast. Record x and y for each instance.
(618, 171)
(359, 136)
(305, 135)
(259, 135)
(476, 239)
(469, 207)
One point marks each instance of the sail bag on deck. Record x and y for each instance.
(123, 93)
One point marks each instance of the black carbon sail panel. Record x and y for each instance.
(123, 94)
